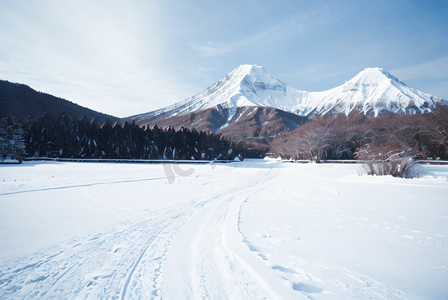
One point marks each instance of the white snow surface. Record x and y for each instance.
(371, 91)
(257, 229)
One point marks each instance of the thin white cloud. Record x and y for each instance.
(437, 89)
(201, 71)
(287, 29)
(210, 49)
(435, 69)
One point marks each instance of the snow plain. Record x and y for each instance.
(258, 229)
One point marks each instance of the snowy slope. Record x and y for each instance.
(371, 91)
(247, 85)
(258, 229)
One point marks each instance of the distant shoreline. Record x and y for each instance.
(147, 161)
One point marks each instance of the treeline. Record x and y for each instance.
(356, 136)
(11, 136)
(82, 138)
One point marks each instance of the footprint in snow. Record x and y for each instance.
(306, 288)
(284, 269)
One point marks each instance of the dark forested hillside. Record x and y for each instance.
(22, 101)
(81, 138)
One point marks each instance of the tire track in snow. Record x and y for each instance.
(80, 185)
(136, 263)
(65, 275)
(128, 259)
(84, 192)
(202, 264)
(57, 279)
(105, 262)
(98, 242)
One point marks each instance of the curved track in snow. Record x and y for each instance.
(252, 230)
(193, 245)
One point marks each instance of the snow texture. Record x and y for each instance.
(372, 91)
(257, 229)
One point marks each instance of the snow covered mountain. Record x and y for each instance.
(248, 103)
(373, 90)
(247, 85)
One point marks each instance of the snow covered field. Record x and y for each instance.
(251, 230)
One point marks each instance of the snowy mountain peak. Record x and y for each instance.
(242, 70)
(246, 85)
(371, 91)
(374, 76)
(256, 77)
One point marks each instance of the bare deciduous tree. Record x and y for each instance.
(314, 142)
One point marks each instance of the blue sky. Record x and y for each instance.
(131, 57)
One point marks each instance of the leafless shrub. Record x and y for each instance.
(401, 167)
(390, 159)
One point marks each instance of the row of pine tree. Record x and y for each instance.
(82, 138)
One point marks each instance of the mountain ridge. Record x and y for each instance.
(23, 101)
(371, 91)
(235, 90)
(247, 122)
